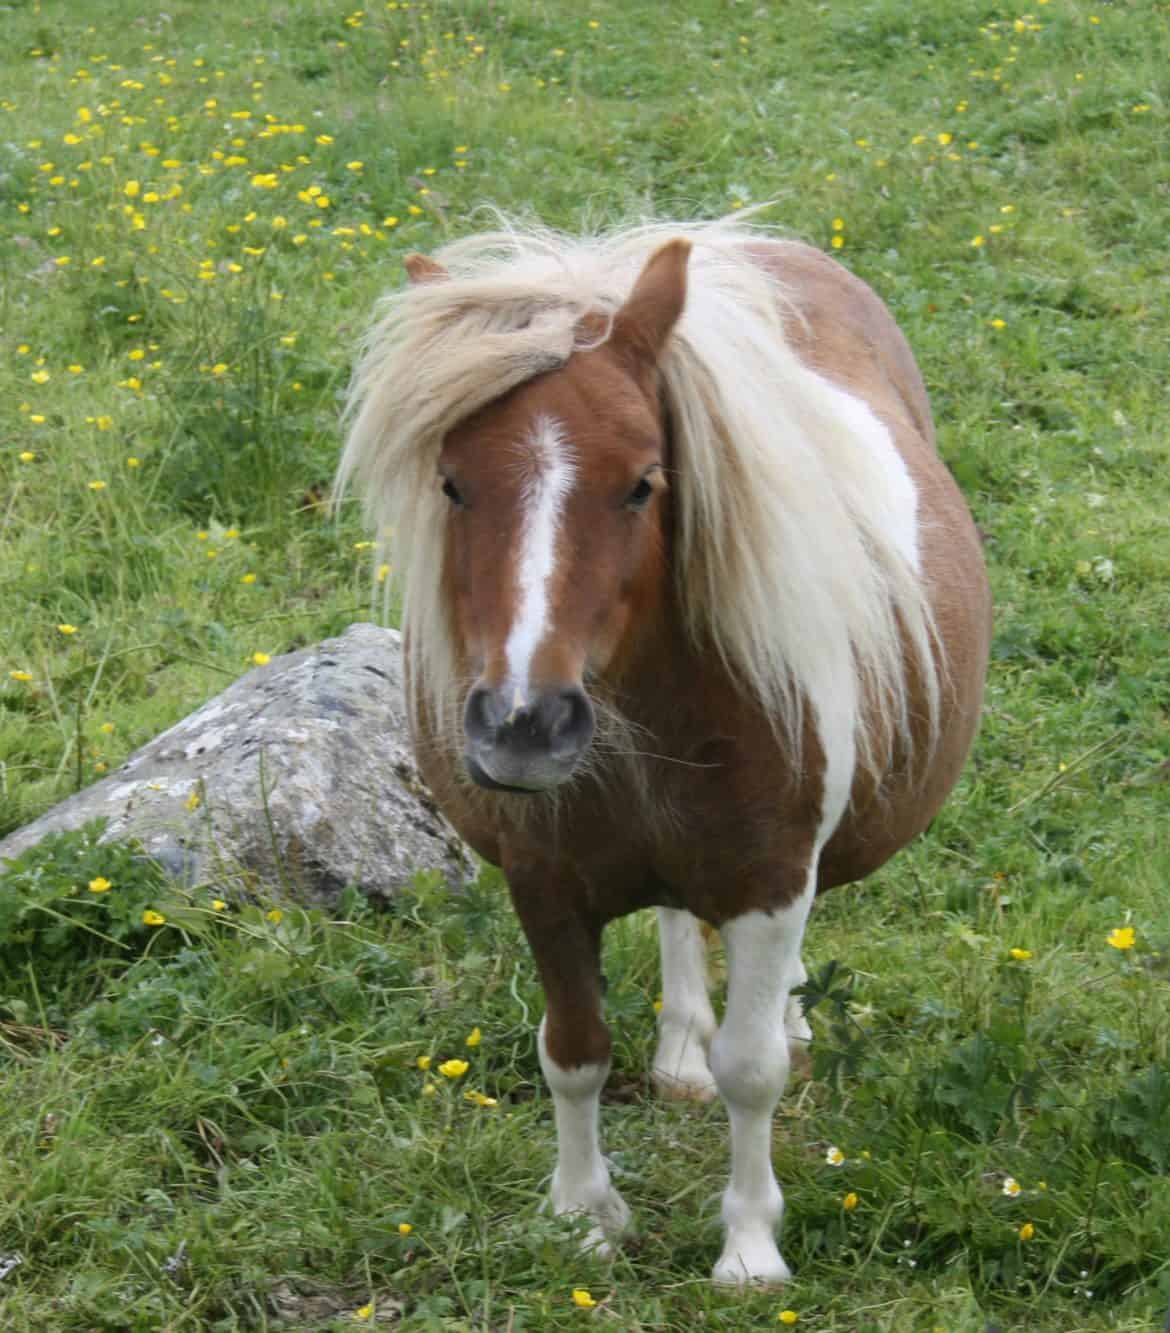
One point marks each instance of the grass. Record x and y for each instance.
(220, 1122)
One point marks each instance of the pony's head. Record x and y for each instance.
(556, 540)
(508, 430)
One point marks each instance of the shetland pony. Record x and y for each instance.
(695, 619)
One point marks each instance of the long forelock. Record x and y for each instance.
(785, 559)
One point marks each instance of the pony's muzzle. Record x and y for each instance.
(525, 744)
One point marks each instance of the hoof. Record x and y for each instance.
(751, 1262)
(597, 1245)
(684, 1086)
(609, 1220)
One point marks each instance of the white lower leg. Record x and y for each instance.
(581, 1183)
(686, 1023)
(749, 1058)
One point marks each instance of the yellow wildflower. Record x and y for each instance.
(363, 1312)
(152, 918)
(1021, 955)
(474, 1037)
(218, 905)
(787, 1317)
(405, 1228)
(453, 1068)
(23, 676)
(1121, 937)
(1027, 1231)
(275, 915)
(423, 1062)
(67, 629)
(582, 1299)
(27, 456)
(261, 659)
(849, 1202)
(99, 885)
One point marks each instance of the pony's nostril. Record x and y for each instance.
(562, 717)
(571, 726)
(480, 719)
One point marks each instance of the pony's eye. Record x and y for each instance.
(639, 497)
(451, 493)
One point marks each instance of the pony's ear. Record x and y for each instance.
(422, 268)
(652, 309)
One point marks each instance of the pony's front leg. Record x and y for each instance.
(580, 1182)
(574, 1051)
(749, 1058)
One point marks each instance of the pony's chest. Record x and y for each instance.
(726, 832)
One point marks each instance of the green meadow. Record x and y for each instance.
(237, 1117)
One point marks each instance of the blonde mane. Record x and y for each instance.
(786, 558)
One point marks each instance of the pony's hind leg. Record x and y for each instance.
(798, 1030)
(686, 1022)
(749, 1058)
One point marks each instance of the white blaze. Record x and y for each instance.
(550, 475)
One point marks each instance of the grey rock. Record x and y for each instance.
(300, 773)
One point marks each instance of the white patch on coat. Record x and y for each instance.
(896, 510)
(550, 474)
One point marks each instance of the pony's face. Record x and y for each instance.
(557, 540)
